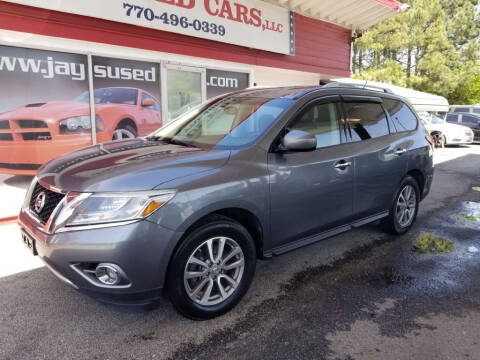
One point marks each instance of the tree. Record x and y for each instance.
(433, 47)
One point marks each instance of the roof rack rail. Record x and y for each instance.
(365, 86)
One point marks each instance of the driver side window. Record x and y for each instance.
(321, 120)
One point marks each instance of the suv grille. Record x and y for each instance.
(31, 124)
(51, 201)
(24, 130)
(6, 137)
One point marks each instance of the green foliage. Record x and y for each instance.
(431, 244)
(432, 47)
(391, 71)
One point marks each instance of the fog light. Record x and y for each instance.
(108, 274)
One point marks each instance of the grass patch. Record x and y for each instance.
(431, 244)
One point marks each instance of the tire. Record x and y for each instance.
(439, 140)
(124, 132)
(392, 223)
(181, 290)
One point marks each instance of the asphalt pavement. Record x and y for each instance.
(360, 295)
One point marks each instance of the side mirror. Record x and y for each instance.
(148, 102)
(297, 140)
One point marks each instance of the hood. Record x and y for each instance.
(48, 110)
(130, 165)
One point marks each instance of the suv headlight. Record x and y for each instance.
(101, 209)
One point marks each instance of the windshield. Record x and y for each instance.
(111, 96)
(228, 123)
(428, 118)
(436, 120)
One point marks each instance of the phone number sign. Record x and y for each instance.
(250, 23)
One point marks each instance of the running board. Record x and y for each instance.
(370, 219)
(313, 239)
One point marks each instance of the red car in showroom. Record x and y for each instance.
(35, 133)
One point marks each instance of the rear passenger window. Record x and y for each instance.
(452, 118)
(461, 109)
(403, 118)
(321, 120)
(366, 120)
(468, 119)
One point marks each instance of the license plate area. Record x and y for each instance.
(29, 243)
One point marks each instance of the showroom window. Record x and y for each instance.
(45, 110)
(321, 120)
(184, 91)
(403, 118)
(366, 120)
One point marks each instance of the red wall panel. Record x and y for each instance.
(320, 47)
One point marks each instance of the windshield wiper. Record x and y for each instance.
(170, 141)
(154, 138)
(179, 142)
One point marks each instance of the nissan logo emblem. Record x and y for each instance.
(40, 202)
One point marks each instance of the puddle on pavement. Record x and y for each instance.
(429, 243)
(470, 251)
(469, 215)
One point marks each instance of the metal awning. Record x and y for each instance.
(351, 14)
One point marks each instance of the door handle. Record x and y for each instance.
(400, 151)
(342, 164)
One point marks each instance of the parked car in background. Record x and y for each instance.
(444, 133)
(35, 133)
(466, 119)
(474, 109)
(255, 173)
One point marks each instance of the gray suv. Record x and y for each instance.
(249, 175)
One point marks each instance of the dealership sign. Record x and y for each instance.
(221, 82)
(250, 23)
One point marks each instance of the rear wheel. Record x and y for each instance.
(212, 269)
(124, 132)
(439, 140)
(404, 208)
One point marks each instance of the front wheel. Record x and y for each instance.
(212, 269)
(404, 208)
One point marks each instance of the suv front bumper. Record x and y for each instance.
(141, 249)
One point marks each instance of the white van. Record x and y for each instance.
(421, 101)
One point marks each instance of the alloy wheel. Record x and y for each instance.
(406, 206)
(120, 134)
(438, 140)
(214, 271)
